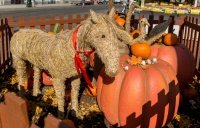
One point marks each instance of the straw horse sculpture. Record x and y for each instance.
(58, 54)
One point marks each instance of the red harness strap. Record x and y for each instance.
(78, 62)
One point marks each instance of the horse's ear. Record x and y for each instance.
(112, 13)
(94, 16)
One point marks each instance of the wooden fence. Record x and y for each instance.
(46, 24)
(9, 26)
(5, 56)
(188, 33)
(190, 37)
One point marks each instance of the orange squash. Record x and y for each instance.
(170, 39)
(135, 33)
(91, 91)
(141, 49)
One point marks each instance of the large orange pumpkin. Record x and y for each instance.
(135, 33)
(179, 57)
(141, 49)
(147, 97)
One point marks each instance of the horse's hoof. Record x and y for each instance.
(73, 113)
(36, 93)
(61, 115)
(74, 116)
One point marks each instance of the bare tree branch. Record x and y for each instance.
(110, 5)
(128, 18)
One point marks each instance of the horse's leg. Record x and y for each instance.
(59, 86)
(20, 66)
(74, 96)
(36, 81)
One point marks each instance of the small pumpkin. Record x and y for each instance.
(91, 91)
(135, 33)
(170, 39)
(120, 21)
(142, 49)
(139, 96)
(51, 33)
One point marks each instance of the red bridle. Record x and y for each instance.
(78, 62)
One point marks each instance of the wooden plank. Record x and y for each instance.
(42, 26)
(191, 35)
(62, 25)
(184, 34)
(7, 42)
(70, 24)
(195, 35)
(193, 26)
(171, 29)
(198, 54)
(181, 30)
(52, 18)
(2, 46)
(160, 19)
(151, 22)
(85, 16)
(188, 35)
(78, 18)
(1, 41)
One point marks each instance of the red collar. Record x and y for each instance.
(78, 62)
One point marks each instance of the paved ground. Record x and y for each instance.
(49, 9)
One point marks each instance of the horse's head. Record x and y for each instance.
(102, 37)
